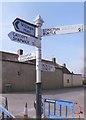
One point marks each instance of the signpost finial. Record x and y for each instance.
(38, 21)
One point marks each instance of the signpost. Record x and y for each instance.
(24, 27)
(36, 32)
(30, 56)
(14, 36)
(47, 67)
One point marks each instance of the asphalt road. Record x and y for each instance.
(17, 101)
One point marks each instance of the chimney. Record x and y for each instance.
(64, 65)
(72, 72)
(54, 60)
(20, 52)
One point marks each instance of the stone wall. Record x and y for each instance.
(21, 77)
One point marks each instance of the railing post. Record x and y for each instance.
(60, 110)
(66, 111)
(2, 115)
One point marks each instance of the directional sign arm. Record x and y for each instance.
(24, 27)
(17, 37)
(47, 67)
(30, 56)
(15, 24)
(69, 29)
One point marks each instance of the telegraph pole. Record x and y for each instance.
(38, 22)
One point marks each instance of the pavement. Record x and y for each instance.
(17, 101)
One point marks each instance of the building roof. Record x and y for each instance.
(65, 70)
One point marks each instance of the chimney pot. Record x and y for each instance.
(54, 60)
(72, 72)
(20, 52)
(64, 65)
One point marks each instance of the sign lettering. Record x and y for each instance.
(24, 39)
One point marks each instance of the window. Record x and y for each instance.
(18, 73)
(67, 80)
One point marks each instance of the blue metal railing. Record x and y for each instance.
(49, 112)
(6, 113)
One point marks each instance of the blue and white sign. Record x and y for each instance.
(24, 27)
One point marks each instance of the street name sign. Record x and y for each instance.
(29, 56)
(69, 29)
(24, 27)
(14, 36)
(47, 67)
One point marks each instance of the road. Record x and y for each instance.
(17, 101)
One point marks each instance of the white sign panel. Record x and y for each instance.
(47, 67)
(69, 29)
(24, 39)
(30, 56)
(24, 27)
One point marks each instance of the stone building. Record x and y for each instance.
(18, 76)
